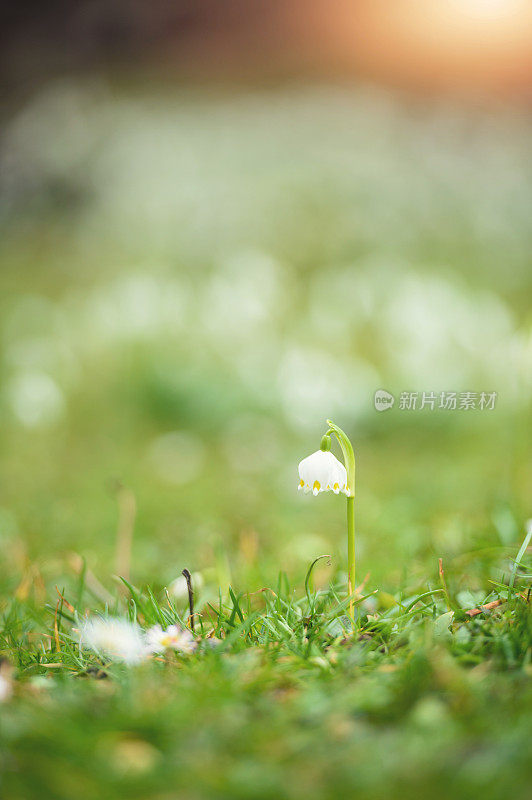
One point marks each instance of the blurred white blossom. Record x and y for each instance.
(35, 398)
(172, 638)
(6, 684)
(115, 638)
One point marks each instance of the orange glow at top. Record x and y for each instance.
(487, 9)
(436, 43)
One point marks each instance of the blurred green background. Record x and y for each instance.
(196, 273)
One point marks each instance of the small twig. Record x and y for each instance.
(473, 612)
(444, 584)
(260, 591)
(56, 626)
(186, 574)
(65, 601)
(360, 588)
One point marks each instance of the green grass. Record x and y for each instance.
(190, 282)
(417, 698)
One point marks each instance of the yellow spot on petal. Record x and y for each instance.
(301, 482)
(316, 487)
(336, 487)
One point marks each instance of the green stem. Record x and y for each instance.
(349, 462)
(351, 560)
(348, 454)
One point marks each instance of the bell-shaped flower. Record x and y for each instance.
(322, 472)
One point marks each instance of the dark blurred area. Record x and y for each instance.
(199, 37)
(431, 45)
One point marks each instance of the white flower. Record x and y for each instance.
(173, 638)
(6, 685)
(116, 638)
(322, 472)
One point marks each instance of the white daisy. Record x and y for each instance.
(115, 638)
(322, 472)
(173, 638)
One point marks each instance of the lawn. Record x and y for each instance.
(191, 283)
